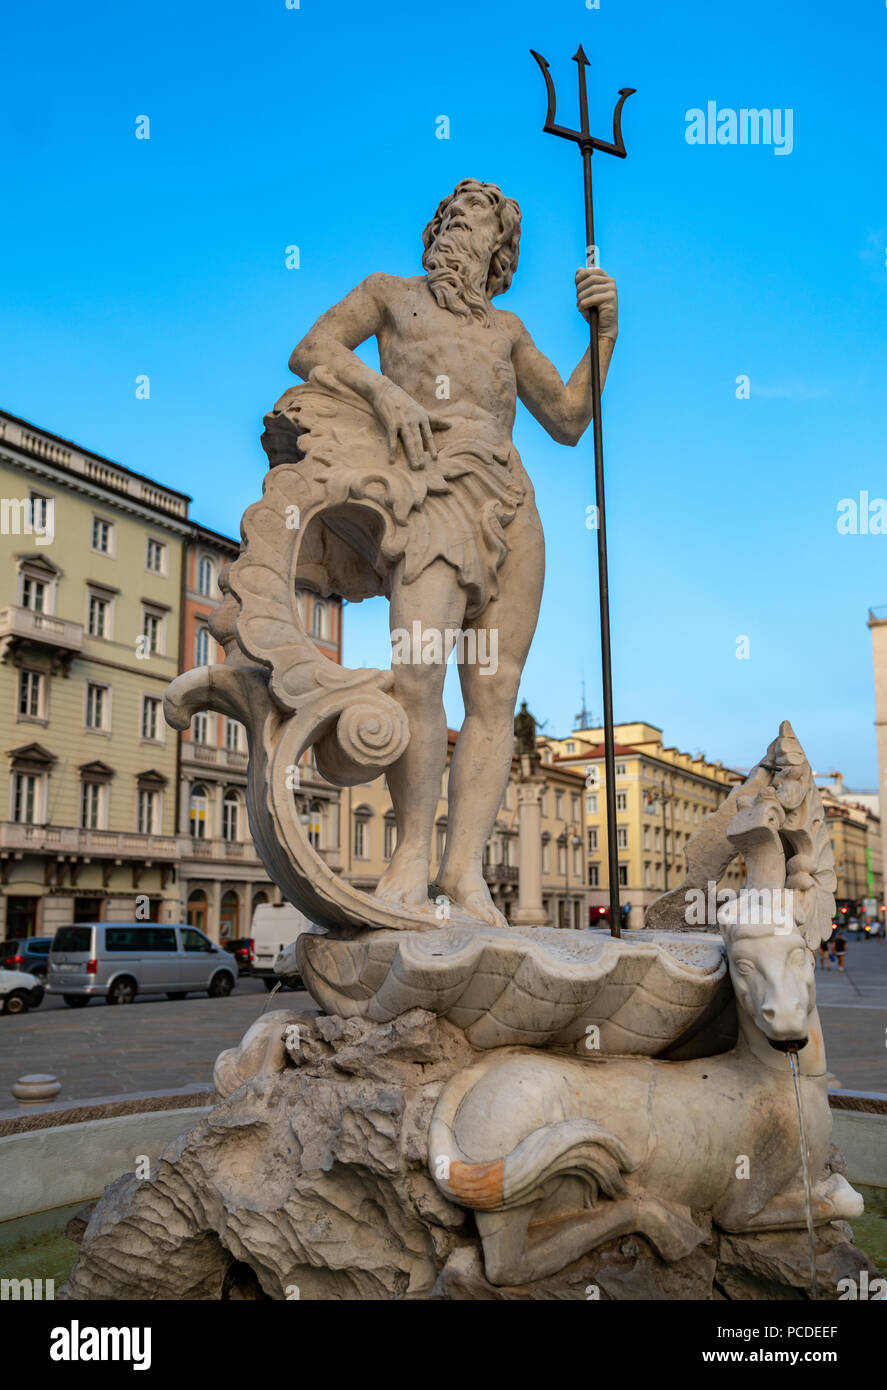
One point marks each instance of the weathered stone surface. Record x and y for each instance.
(759, 1267)
(776, 1264)
(529, 985)
(78, 1223)
(314, 1177)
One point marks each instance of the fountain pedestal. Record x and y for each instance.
(524, 1112)
(311, 1179)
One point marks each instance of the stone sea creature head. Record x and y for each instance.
(772, 970)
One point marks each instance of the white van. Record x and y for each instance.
(275, 926)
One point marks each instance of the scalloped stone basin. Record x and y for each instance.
(536, 986)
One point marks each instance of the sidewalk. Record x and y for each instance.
(853, 1009)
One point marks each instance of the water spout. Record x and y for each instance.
(788, 1044)
(792, 1050)
(278, 986)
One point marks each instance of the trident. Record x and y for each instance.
(587, 144)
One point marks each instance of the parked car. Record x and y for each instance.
(242, 951)
(275, 926)
(29, 953)
(118, 960)
(19, 991)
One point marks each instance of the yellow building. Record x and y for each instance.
(662, 796)
(855, 833)
(368, 836)
(90, 582)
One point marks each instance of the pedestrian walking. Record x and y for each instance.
(840, 946)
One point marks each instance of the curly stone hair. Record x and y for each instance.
(503, 261)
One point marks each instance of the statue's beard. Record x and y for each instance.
(457, 276)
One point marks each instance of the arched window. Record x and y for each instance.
(201, 647)
(319, 619)
(199, 811)
(259, 899)
(230, 816)
(205, 576)
(362, 831)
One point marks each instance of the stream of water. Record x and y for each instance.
(278, 986)
(805, 1166)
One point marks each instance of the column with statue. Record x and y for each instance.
(530, 790)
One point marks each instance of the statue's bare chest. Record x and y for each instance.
(417, 325)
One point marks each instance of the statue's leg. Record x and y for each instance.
(520, 1250)
(434, 600)
(523, 1244)
(482, 760)
(833, 1199)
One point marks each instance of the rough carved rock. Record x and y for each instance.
(314, 1177)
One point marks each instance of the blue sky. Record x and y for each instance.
(316, 127)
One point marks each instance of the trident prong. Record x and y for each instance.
(587, 145)
(582, 136)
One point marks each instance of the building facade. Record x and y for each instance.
(106, 587)
(91, 560)
(662, 797)
(222, 879)
(855, 832)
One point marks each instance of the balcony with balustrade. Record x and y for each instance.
(23, 627)
(70, 840)
(501, 873)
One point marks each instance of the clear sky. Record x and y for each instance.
(316, 127)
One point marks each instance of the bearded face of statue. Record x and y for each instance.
(472, 249)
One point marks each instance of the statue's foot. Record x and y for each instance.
(405, 881)
(471, 892)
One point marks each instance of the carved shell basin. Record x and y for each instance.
(536, 986)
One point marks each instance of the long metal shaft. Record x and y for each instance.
(603, 582)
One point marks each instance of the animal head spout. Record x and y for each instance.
(773, 976)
